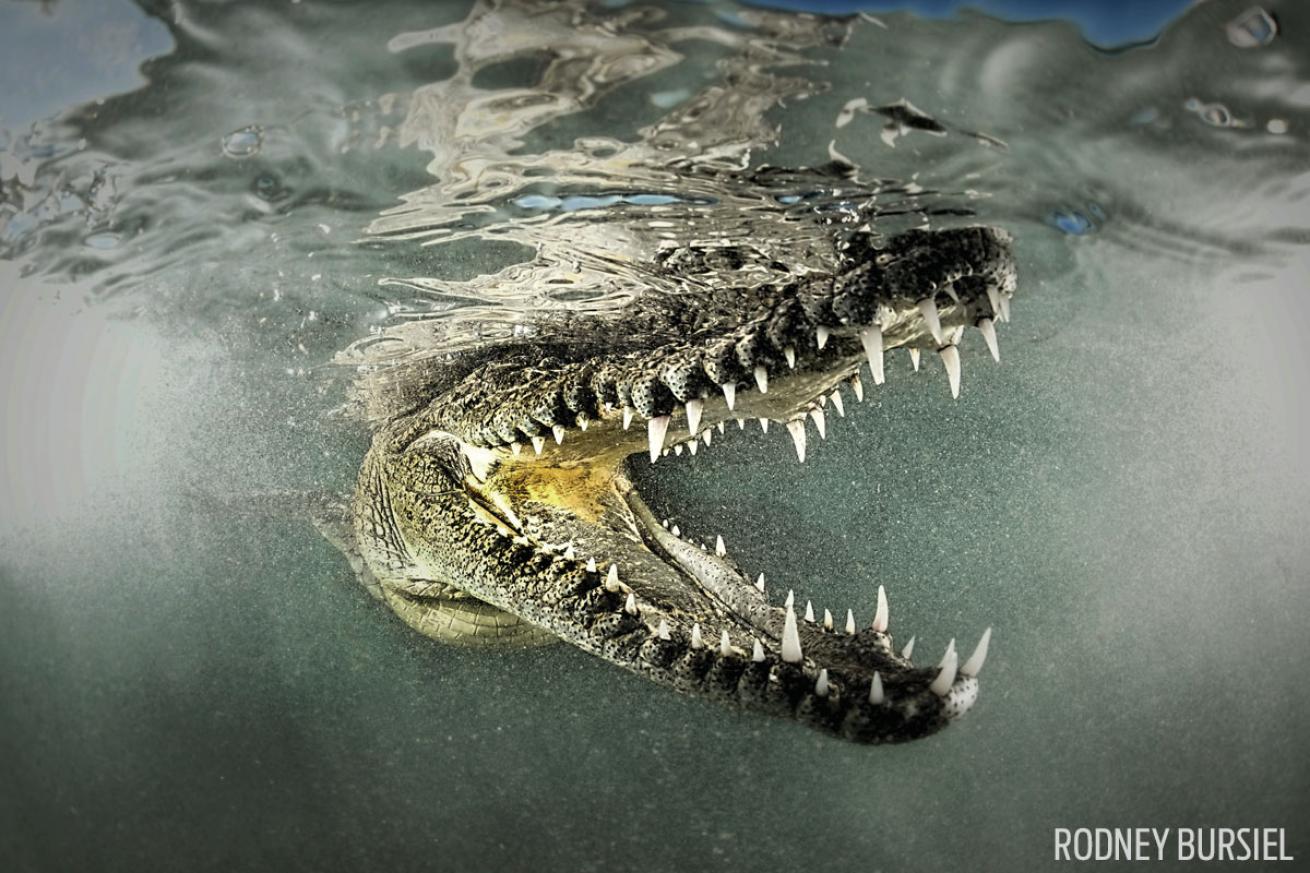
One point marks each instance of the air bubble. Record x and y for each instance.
(1078, 222)
(1213, 114)
(669, 99)
(1254, 28)
(244, 143)
(103, 240)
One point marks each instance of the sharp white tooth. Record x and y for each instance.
(757, 653)
(719, 548)
(950, 650)
(764, 425)
(655, 430)
(677, 450)
(928, 309)
(696, 641)
(994, 299)
(821, 335)
(972, 666)
(630, 606)
(880, 617)
(797, 429)
(821, 684)
(762, 379)
(876, 695)
(915, 357)
(988, 329)
(705, 435)
(663, 630)
(694, 408)
(665, 522)
(791, 599)
(759, 583)
(693, 447)
(791, 638)
(583, 422)
(664, 454)
(725, 645)
(823, 400)
(676, 531)
(858, 387)
(820, 422)
(627, 417)
(721, 425)
(538, 443)
(1005, 308)
(790, 354)
(809, 612)
(741, 424)
(729, 394)
(827, 619)
(516, 448)
(569, 553)
(591, 565)
(871, 337)
(850, 623)
(837, 403)
(612, 578)
(941, 686)
(909, 649)
(558, 431)
(951, 358)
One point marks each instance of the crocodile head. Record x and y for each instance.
(509, 485)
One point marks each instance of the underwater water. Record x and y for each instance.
(215, 217)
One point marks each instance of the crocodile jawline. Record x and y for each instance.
(501, 508)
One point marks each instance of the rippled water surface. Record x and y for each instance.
(216, 218)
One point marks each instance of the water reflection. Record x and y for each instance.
(527, 149)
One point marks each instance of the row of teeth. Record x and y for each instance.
(871, 340)
(947, 670)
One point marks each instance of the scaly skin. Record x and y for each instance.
(500, 510)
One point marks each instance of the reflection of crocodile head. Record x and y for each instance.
(499, 509)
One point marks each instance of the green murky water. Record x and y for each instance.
(193, 269)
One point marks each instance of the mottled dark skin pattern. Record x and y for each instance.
(476, 535)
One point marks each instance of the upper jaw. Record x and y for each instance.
(802, 395)
(783, 352)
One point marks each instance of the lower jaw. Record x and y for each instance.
(700, 593)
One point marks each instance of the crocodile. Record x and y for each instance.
(498, 507)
